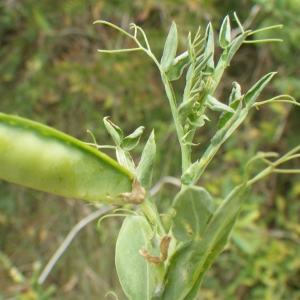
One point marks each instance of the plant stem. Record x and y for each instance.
(150, 211)
(185, 149)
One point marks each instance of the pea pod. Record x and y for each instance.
(42, 158)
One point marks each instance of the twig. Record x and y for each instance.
(62, 248)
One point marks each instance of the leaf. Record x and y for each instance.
(146, 165)
(225, 36)
(235, 45)
(194, 208)
(236, 93)
(215, 105)
(189, 83)
(202, 63)
(222, 134)
(254, 92)
(115, 131)
(188, 264)
(226, 116)
(189, 175)
(125, 160)
(190, 47)
(185, 108)
(170, 48)
(132, 140)
(199, 122)
(136, 275)
(176, 69)
(209, 48)
(187, 138)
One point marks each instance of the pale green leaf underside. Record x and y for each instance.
(136, 275)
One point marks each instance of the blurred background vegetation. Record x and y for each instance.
(50, 72)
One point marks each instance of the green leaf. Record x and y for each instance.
(170, 49)
(236, 93)
(202, 63)
(225, 36)
(235, 45)
(215, 105)
(146, 165)
(190, 47)
(199, 122)
(125, 160)
(194, 208)
(254, 92)
(185, 108)
(180, 63)
(189, 175)
(223, 133)
(188, 264)
(226, 116)
(189, 82)
(209, 48)
(115, 132)
(132, 140)
(136, 275)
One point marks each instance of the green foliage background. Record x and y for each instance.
(50, 71)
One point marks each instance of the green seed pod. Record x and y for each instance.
(42, 158)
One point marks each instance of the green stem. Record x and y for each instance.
(150, 211)
(185, 149)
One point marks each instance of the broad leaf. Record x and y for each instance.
(136, 275)
(194, 208)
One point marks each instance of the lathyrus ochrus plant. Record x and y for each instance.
(152, 263)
